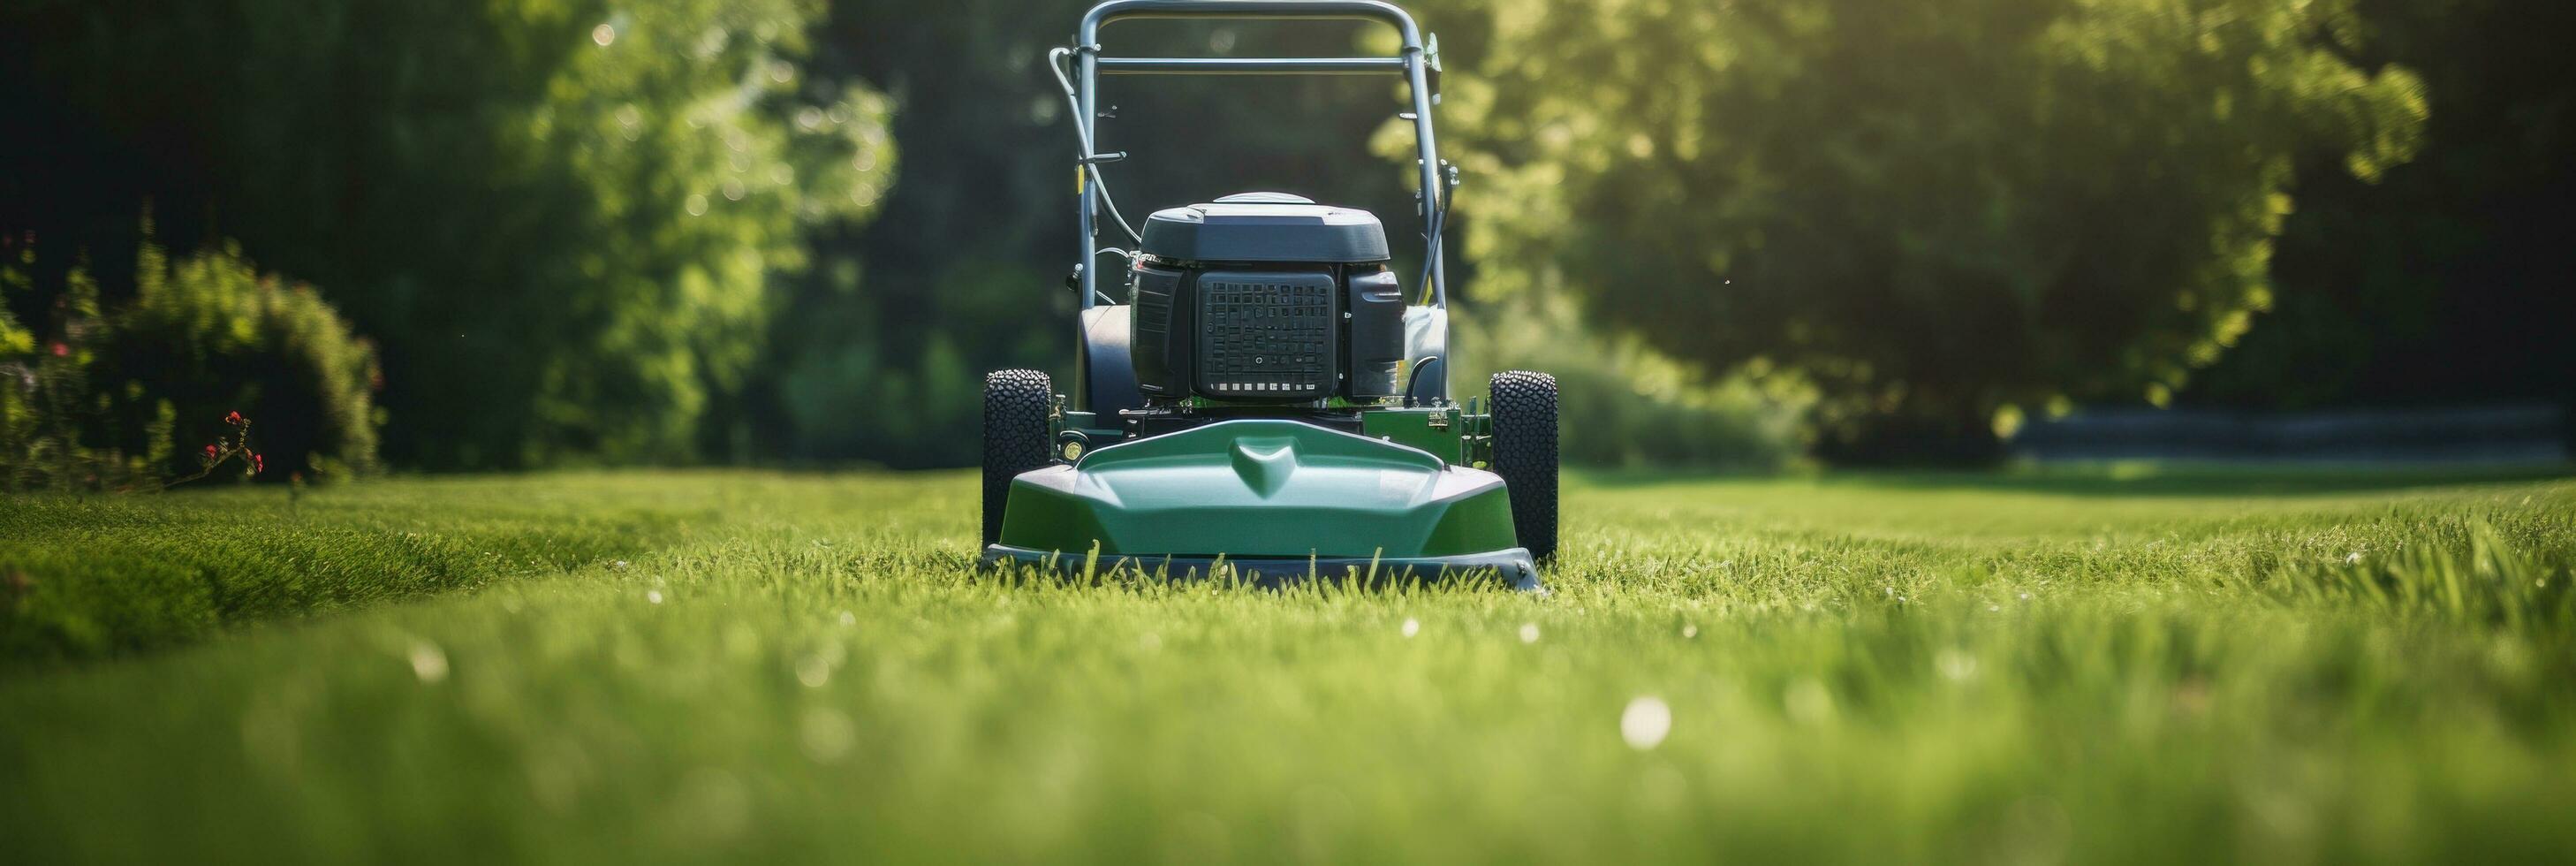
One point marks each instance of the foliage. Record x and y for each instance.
(1624, 404)
(123, 395)
(560, 216)
(2088, 667)
(48, 411)
(2460, 255)
(1932, 212)
(1935, 211)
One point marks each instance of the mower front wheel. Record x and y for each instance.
(1015, 436)
(1525, 454)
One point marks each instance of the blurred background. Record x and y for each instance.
(525, 233)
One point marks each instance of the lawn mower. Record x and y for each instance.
(1264, 398)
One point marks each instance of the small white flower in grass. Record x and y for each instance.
(1645, 722)
(1412, 626)
(619, 565)
(1529, 632)
(848, 620)
(1690, 631)
(428, 662)
(653, 595)
(2353, 558)
(1994, 608)
(2025, 596)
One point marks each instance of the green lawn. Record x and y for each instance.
(2075, 666)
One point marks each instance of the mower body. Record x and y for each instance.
(1259, 393)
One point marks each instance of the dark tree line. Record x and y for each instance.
(665, 231)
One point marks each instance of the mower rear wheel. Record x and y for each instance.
(1524, 415)
(1015, 436)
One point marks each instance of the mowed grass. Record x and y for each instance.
(2072, 666)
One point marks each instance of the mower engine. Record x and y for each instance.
(1266, 298)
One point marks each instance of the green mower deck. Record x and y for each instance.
(1271, 500)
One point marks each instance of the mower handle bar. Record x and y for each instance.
(1410, 61)
(1250, 65)
(1347, 10)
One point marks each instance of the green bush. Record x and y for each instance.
(563, 220)
(127, 395)
(1622, 404)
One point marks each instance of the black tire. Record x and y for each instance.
(1015, 436)
(1525, 454)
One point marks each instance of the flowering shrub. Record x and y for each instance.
(231, 448)
(121, 395)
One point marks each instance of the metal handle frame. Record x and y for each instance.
(1410, 61)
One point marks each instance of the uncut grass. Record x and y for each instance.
(2276, 667)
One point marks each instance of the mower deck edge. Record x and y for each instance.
(1513, 566)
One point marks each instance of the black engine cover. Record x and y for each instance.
(1265, 297)
(1265, 227)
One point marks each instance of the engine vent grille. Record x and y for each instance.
(1267, 335)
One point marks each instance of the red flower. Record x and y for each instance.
(62, 351)
(233, 419)
(258, 465)
(210, 452)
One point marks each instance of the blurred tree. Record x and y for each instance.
(2453, 280)
(1940, 212)
(558, 217)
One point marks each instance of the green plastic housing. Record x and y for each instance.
(1265, 489)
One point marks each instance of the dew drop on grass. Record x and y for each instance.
(1412, 626)
(1956, 665)
(428, 662)
(813, 670)
(1645, 722)
(826, 734)
(1529, 632)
